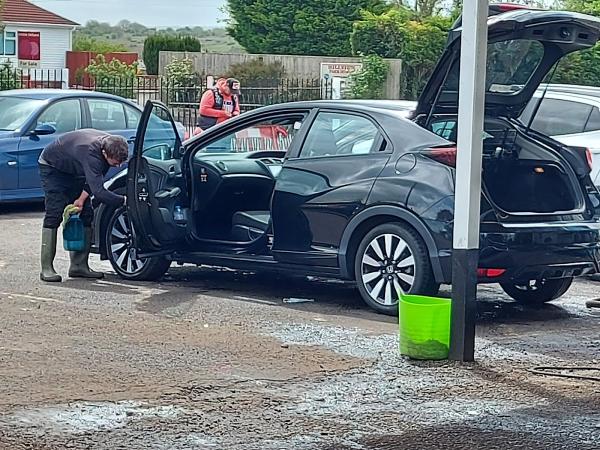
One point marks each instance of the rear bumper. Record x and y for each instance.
(530, 252)
(544, 251)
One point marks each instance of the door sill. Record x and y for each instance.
(252, 262)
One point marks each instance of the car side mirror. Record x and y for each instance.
(43, 130)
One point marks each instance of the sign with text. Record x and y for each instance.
(29, 48)
(338, 70)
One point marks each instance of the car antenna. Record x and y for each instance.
(539, 104)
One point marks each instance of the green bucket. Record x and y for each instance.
(424, 327)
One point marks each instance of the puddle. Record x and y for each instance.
(85, 417)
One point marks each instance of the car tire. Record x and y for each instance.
(537, 292)
(118, 248)
(392, 256)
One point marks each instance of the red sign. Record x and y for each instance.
(29, 45)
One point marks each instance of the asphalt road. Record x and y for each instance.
(214, 359)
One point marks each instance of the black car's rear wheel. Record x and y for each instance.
(390, 259)
(537, 292)
(122, 255)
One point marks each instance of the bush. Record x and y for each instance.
(157, 43)
(114, 77)
(182, 81)
(89, 44)
(368, 82)
(9, 77)
(398, 33)
(256, 70)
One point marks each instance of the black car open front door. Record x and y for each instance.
(156, 191)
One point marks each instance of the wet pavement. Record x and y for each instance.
(214, 359)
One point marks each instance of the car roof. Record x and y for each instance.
(51, 94)
(587, 91)
(392, 107)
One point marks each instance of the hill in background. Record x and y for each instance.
(132, 35)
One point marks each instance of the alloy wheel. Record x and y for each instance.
(121, 246)
(388, 268)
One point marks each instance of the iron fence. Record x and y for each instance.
(183, 100)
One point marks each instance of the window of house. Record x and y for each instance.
(8, 43)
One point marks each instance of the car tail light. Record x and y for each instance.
(589, 157)
(444, 155)
(490, 273)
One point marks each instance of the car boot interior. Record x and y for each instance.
(520, 176)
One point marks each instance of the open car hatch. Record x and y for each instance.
(523, 47)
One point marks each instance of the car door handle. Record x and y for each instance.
(168, 193)
(131, 140)
(12, 163)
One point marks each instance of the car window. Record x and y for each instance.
(133, 117)
(14, 111)
(593, 123)
(64, 116)
(107, 114)
(510, 65)
(271, 135)
(160, 138)
(445, 129)
(558, 117)
(337, 134)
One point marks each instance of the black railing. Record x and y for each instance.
(32, 78)
(183, 100)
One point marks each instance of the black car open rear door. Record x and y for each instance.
(156, 195)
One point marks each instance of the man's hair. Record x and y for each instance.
(116, 148)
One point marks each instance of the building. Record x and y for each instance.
(34, 38)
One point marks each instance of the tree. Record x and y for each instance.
(583, 6)
(88, 44)
(153, 45)
(400, 33)
(298, 27)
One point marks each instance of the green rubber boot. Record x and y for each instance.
(79, 261)
(47, 254)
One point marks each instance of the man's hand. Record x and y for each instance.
(80, 202)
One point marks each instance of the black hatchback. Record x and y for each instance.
(356, 191)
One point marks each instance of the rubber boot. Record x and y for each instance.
(79, 261)
(47, 255)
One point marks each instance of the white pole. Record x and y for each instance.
(468, 178)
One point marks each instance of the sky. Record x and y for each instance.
(152, 13)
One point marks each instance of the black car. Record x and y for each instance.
(354, 190)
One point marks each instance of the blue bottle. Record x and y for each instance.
(73, 234)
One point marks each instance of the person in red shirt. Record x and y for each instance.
(218, 104)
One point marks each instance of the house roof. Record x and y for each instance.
(21, 11)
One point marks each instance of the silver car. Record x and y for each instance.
(571, 115)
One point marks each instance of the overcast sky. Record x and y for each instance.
(152, 13)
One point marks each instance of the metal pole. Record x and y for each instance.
(465, 256)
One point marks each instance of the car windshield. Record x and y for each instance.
(14, 111)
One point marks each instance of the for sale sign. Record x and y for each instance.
(29, 49)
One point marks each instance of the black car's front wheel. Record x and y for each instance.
(537, 292)
(122, 255)
(390, 259)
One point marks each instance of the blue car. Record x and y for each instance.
(31, 119)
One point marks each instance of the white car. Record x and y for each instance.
(569, 113)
